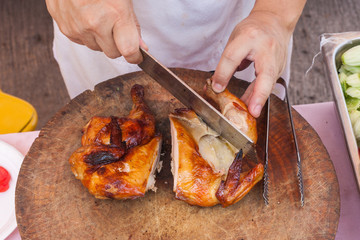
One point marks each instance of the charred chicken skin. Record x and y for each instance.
(118, 156)
(207, 169)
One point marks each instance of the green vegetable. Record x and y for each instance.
(349, 76)
(353, 92)
(356, 128)
(352, 56)
(343, 70)
(353, 80)
(352, 103)
(354, 116)
(343, 78)
(352, 69)
(355, 122)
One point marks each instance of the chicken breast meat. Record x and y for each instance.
(207, 169)
(119, 155)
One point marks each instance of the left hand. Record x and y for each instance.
(261, 38)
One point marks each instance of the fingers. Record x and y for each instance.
(248, 92)
(127, 40)
(108, 26)
(143, 45)
(230, 60)
(262, 89)
(104, 38)
(264, 42)
(90, 42)
(259, 91)
(117, 33)
(121, 38)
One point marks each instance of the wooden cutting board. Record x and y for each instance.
(52, 204)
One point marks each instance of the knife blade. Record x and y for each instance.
(191, 99)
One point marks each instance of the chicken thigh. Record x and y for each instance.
(118, 156)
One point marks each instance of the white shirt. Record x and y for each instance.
(188, 34)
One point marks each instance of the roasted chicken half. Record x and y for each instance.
(119, 156)
(207, 169)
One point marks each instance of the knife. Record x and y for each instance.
(193, 100)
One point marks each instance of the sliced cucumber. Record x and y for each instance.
(353, 92)
(352, 103)
(353, 80)
(352, 69)
(352, 56)
(354, 115)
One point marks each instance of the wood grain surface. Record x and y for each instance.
(28, 69)
(52, 204)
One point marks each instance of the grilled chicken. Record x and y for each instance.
(233, 109)
(119, 156)
(136, 129)
(207, 169)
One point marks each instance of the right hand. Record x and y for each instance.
(109, 26)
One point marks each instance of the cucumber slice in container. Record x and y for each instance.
(344, 71)
(344, 86)
(354, 116)
(355, 122)
(353, 92)
(349, 76)
(352, 69)
(351, 57)
(356, 128)
(353, 80)
(352, 103)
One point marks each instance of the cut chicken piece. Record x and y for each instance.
(119, 155)
(233, 109)
(109, 173)
(195, 180)
(238, 184)
(205, 172)
(137, 128)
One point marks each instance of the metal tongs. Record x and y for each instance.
(299, 172)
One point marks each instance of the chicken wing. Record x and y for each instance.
(118, 156)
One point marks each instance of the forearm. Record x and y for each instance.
(287, 12)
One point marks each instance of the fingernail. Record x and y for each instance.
(257, 110)
(217, 87)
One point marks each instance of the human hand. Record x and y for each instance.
(103, 25)
(260, 38)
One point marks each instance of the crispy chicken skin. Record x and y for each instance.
(136, 129)
(118, 156)
(233, 109)
(206, 169)
(238, 184)
(195, 180)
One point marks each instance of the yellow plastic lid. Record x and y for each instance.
(16, 115)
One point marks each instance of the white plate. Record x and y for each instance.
(11, 160)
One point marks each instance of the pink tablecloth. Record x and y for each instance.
(324, 119)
